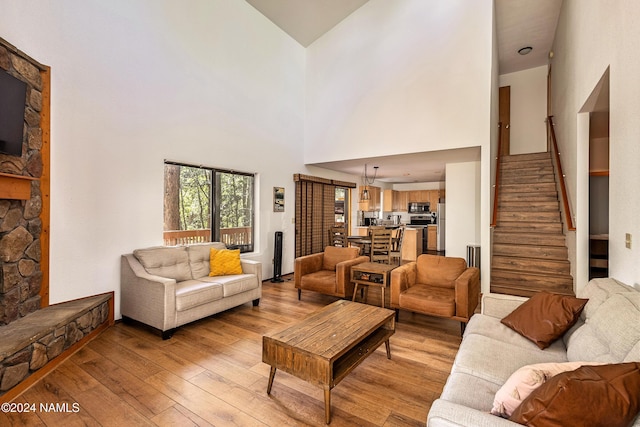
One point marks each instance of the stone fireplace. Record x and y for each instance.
(32, 332)
(21, 201)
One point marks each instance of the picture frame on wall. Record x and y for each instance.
(278, 199)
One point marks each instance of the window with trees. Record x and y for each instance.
(204, 204)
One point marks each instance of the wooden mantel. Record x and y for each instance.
(16, 187)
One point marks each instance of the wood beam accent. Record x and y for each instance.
(16, 187)
(301, 177)
(45, 184)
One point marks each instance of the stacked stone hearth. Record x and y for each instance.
(31, 336)
(31, 342)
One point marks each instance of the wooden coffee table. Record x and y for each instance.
(323, 348)
(371, 274)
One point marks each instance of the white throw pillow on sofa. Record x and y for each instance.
(526, 379)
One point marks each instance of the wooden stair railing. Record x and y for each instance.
(494, 218)
(561, 176)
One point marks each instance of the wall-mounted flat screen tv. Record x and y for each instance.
(13, 93)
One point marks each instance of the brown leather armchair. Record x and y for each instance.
(437, 286)
(328, 272)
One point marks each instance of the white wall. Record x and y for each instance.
(137, 82)
(488, 167)
(406, 76)
(463, 225)
(419, 186)
(528, 133)
(591, 36)
(399, 77)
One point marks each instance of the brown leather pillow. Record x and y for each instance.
(604, 395)
(544, 317)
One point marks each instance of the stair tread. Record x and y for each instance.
(536, 214)
(528, 291)
(538, 154)
(526, 180)
(526, 236)
(528, 245)
(523, 264)
(528, 205)
(523, 275)
(503, 231)
(523, 164)
(530, 227)
(526, 187)
(546, 196)
(532, 258)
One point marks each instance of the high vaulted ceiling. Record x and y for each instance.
(306, 20)
(519, 23)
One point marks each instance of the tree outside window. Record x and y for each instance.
(196, 197)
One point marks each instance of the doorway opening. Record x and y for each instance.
(598, 108)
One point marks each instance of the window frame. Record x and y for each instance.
(214, 202)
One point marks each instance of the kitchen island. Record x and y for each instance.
(411, 244)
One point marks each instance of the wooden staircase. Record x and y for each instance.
(529, 247)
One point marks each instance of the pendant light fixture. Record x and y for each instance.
(366, 181)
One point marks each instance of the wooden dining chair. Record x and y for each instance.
(338, 236)
(381, 245)
(396, 245)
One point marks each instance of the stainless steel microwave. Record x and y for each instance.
(418, 208)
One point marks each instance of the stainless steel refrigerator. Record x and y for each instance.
(442, 220)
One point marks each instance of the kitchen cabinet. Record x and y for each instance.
(424, 196)
(432, 237)
(395, 201)
(360, 231)
(373, 204)
(400, 201)
(387, 200)
(434, 198)
(418, 196)
(411, 244)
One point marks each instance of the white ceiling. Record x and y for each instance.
(519, 23)
(406, 168)
(306, 20)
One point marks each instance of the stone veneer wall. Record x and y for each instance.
(20, 225)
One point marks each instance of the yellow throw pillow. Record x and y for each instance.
(224, 262)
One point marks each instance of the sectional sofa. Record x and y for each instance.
(607, 331)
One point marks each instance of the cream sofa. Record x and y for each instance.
(169, 286)
(608, 331)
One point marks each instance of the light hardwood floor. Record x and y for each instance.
(211, 373)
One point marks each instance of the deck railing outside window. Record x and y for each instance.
(231, 237)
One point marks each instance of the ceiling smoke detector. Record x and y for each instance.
(525, 50)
